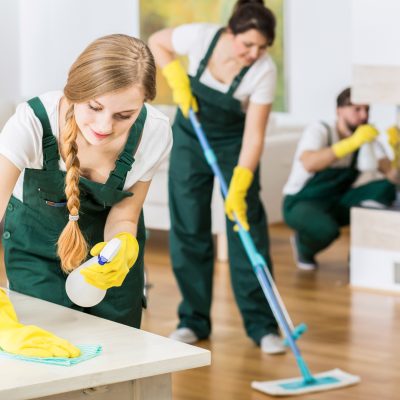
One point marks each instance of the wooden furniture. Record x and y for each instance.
(375, 249)
(134, 364)
(375, 234)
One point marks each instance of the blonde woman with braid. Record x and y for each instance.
(76, 167)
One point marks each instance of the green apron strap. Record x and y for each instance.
(353, 164)
(328, 128)
(203, 64)
(235, 83)
(125, 160)
(51, 154)
(204, 61)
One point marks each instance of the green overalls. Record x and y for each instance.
(190, 189)
(323, 205)
(32, 228)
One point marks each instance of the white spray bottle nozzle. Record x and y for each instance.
(109, 251)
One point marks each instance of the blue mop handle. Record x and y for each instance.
(257, 261)
(208, 152)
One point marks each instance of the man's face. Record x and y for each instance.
(353, 115)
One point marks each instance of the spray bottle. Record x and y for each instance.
(367, 161)
(78, 290)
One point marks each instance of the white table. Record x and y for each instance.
(133, 365)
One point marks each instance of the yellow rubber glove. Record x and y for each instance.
(179, 83)
(363, 134)
(393, 134)
(29, 340)
(235, 203)
(114, 272)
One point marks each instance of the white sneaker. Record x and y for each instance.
(185, 335)
(272, 344)
(305, 265)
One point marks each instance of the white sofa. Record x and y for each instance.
(280, 144)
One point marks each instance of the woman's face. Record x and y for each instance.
(249, 46)
(108, 117)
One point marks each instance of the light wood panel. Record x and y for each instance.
(386, 224)
(376, 84)
(356, 331)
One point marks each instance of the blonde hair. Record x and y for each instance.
(108, 64)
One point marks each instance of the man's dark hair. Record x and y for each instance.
(344, 98)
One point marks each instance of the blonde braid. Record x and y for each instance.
(72, 246)
(107, 65)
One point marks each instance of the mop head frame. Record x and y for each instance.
(333, 379)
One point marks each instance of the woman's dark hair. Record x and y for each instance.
(252, 14)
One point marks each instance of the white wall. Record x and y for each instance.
(39, 40)
(376, 42)
(376, 37)
(324, 39)
(54, 32)
(318, 55)
(9, 71)
(319, 47)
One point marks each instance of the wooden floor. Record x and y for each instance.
(354, 330)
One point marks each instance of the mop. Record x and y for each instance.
(307, 382)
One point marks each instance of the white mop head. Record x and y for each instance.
(328, 380)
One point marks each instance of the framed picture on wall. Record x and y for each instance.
(159, 14)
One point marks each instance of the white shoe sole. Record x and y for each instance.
(272, 344)
(300, 265)
(184, 335)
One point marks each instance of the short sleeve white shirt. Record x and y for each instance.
(258, 84)
(21, 141)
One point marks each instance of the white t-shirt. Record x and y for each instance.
(21, 141)
(258, 84)
(316, 137)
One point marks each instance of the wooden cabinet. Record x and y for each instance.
(375, 249)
